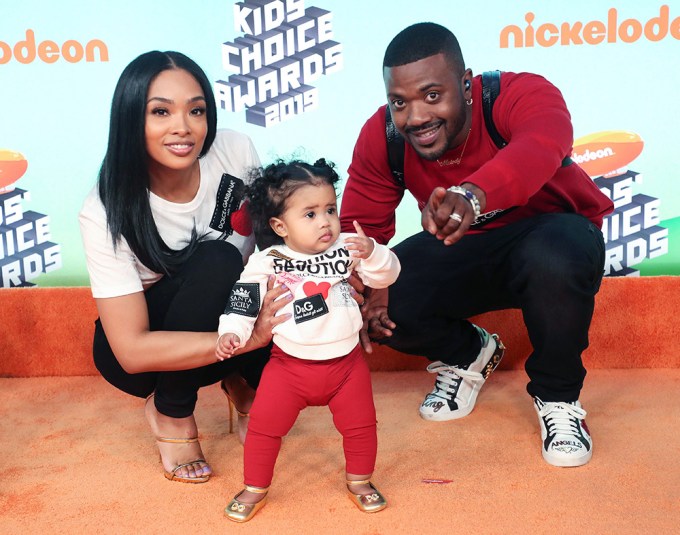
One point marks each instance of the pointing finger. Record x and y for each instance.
(358, 228)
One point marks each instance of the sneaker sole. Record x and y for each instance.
(462, 413)
(567, 463)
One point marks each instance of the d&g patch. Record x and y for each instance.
(309, 308)
(228, 200)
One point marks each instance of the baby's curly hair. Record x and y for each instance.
(271, 187)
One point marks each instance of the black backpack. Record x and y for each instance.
(491, 87)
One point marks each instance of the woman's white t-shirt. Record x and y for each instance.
(115, 273)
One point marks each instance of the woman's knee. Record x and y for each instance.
(216, 260)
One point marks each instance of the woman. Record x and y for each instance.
(165, 238)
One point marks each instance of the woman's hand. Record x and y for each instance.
(274, 300)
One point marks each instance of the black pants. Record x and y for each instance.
(549, 266)
(191, 300)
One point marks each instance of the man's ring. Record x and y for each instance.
(456, 217)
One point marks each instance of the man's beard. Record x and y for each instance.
(457, 128)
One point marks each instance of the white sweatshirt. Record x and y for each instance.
(325, 319)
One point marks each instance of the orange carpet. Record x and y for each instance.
(77, 457)
(48, 331)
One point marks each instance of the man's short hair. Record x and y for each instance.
(420, 41)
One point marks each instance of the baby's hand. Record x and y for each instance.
(226, 345)
(361, 245)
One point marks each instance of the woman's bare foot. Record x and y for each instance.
(175, 454)
(242, 395)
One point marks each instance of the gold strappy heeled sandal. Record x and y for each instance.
(172, 474)
(368, 503)
(243, 417)
(242, 512)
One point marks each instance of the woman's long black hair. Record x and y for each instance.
(124, 175)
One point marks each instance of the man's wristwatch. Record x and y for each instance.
(471, 197)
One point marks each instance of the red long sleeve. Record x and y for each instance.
(530, 113)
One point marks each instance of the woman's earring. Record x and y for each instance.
(469, 102)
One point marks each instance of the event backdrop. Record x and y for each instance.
(301, 77)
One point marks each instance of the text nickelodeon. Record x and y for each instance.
(48, 51)
(604, 153)
(285, 47)
(593, 32)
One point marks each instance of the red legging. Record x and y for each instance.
(288, 385)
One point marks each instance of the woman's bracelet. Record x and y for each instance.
(471, 197)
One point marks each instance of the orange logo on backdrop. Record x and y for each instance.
(12, 167)
(603, 153)
(593, 32)
(49, 51)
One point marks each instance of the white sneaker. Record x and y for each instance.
(456, 387)
(566, 439)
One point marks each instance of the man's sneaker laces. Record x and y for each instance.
(456, 387)
(565, 435)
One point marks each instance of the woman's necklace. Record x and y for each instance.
(456, 161)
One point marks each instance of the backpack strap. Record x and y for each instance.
(491, 87)
(395, 148)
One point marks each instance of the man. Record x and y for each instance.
(516, 227)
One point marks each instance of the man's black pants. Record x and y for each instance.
(549, 266)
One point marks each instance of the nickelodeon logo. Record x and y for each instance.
(27, 50)
(593, 32)
(12, 167)
(604, 153)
